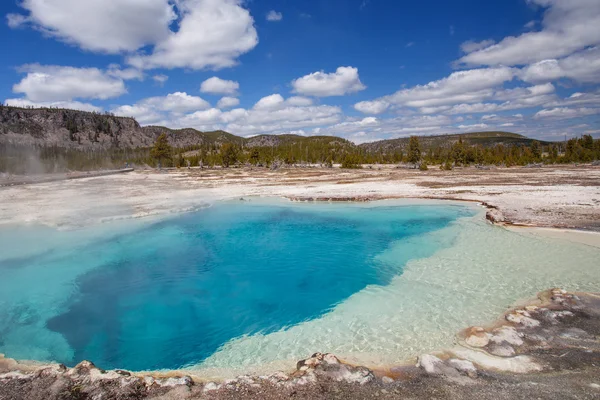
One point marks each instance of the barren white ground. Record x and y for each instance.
(567, 197)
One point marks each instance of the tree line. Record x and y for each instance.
(19, 159)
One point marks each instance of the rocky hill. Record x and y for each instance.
(485, 139)
(279, 140)
(83, 130)
(69, 129)
(72, 129)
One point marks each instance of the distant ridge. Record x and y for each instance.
(485, 139)
(87, 130)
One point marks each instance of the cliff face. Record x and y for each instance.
(70, 129)
(84, 130)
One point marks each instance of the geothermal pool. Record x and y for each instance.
(256, 285)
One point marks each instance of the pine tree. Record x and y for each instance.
(536, 150)
(228, 154)
(254, 157)
(414, 150)
(458, 152)
(161, 151)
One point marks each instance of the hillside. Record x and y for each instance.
(70, 129)
(485, 139)
(287, 140)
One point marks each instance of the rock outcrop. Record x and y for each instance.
(86, 130)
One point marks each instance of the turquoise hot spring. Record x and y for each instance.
(258, 284)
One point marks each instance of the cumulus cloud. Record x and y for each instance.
(371, 128)
(372, 107)
(473, 127)
(271, 102)
(271, 114)
(205, 34)
(506, 99)
(583, 66)
(157, 109)
(465, 92)
(568, 26)
(178, 102)
(99, 25)
(578, 99)
(460, 87)
(276, 101)
(211, 34)
(217, 85)
(299, 101)
(15, 21)
(50, 83)
(228, 102)
(320, 84)
(274, 16)
(116, 71)
(470, 45)
(161, 79)
(565, 113)
(145, 114)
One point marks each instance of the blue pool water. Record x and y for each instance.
(169, 294)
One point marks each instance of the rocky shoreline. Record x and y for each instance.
(547, 346)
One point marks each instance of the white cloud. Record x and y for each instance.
(470, 45)
(345, 80)
(145, 114)
(161, 79)
(583, 66)
(271, 102)
(578, 99)
(274, 16)
(506, 99)
(276, 102)
(473, 127)
(56, 83)
(568, 26)
(116, 71)
(370, 128)
(228, 102)
(490, 117)
(15, 21)
(460, 87)
(264, 120)
(372, 107)
(207, 33)
(565, 113)
(272, 114)
(217, 85)
(299, 101)
(99, 25)
(211, 34)
(178, 102)
(465, 92)
(71, 105)
(161, 109)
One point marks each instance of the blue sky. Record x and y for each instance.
(361, 69)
